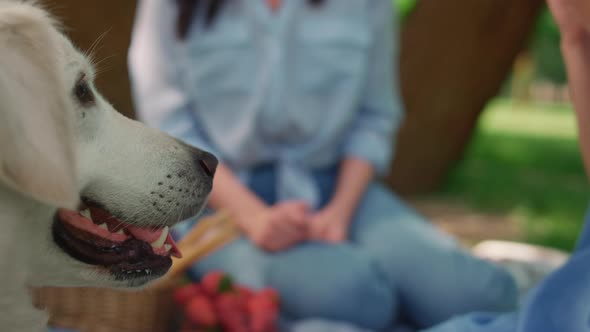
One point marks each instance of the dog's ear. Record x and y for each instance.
(36, 144)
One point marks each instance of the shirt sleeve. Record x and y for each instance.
(155, 71)
(372, 136)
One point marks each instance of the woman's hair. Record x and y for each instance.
(187, 11)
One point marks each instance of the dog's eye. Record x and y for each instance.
(83, 93)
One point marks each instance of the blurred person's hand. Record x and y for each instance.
(279, 226)
(572, 18)
(272, 228)
(330, 224)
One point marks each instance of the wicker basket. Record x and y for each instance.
(150, 310)
(107, 310)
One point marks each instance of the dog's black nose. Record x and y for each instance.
(208, 163)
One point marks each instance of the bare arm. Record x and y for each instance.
(331, 223)
(355, 175)
(272, 228)
(573, 19)
(230, 194)
(576, 52)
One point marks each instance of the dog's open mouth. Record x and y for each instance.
(94, 236)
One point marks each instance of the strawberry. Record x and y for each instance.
(216, 282)
(271, 294)
(184, 294)
(199, 310)
(245, 292)
(231, 309)
(230, 301)
(263, 312)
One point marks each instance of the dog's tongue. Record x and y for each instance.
(174, 251)
(150, 235)
(146, 234)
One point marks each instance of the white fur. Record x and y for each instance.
(54, 150)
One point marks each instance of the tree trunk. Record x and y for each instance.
(455, 55)
(85, 23)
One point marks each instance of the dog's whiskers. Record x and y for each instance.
(181, 211)
(165, 216)
(140, 212)
(90, 53)
(99, 68)
(146, 216)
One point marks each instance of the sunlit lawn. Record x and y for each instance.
(524, 160)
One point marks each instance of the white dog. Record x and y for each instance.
(86, 195)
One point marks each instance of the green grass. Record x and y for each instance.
(524, 160)
(404, 7)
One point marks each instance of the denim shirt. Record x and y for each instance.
(300, 88)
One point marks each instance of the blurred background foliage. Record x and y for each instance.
(545, 50)
(524, 161)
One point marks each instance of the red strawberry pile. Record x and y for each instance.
(219, 305)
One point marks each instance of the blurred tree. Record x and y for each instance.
(546, 50)
(103, 26)
(455, 55)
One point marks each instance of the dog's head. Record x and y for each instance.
(115, 185)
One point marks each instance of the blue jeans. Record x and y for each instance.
(560, 303)
(394, 265)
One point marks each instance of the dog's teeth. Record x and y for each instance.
(162, 239)
(167, 247)
(103, 226)
(86, 214)
(120, 231)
